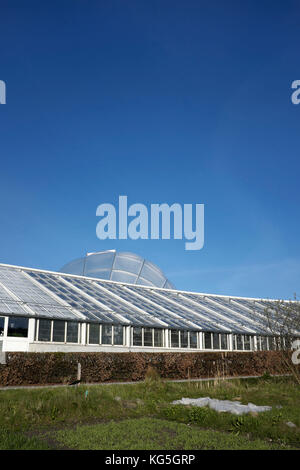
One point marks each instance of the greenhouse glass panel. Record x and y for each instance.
(247, 344)
(174, 338)
(18, 327)
(137, 338)
(106, 334)
(153, 274)
(158, 338)
(44, 330)
(94, 333)
(272, 344)
(118, 334)
(58, 331)
(224, 341)
(72, 332)
(216, 341)
(207, 340)
(148, 340)
(264, 343)
(184, 339)
(258, 343)
(97, 262)
(239, 342)
(193, 339)
(120, 276)
(127, 262)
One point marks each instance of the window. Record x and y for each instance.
(184, 339)
(158, 338)
(224, 341)
(72, 332)
(58, 331)
(137, 339)
(106, 334)
(148, 341)
(207, 340)
(44, 330)
(279, 342)
(1, 326)
(216, 341)
(239, 342)
(193, 339)
(264, 343)
(94, 333)
(247, 345)
(118, 334)
(174, 338)
(18, 327)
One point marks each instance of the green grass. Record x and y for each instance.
(89, 417)
(153, 433)
(10, 440)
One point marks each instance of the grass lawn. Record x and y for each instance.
(141, 416)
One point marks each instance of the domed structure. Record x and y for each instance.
(118, 266)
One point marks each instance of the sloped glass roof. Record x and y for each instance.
(37, 293)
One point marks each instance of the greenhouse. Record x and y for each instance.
(44, 311)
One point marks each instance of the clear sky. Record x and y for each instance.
(162, 101)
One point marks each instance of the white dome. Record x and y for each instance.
(118, 266)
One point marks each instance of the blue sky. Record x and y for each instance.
(162, 101)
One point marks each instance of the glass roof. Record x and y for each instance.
(37, 293)
(120, 267)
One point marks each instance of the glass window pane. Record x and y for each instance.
(224, 341)
(264, 343)
(137, 336)
(216, 341)
(158, 338)
(279, 343)
(247, 342)
(118, 334)
(106, 334)
(184, 339)
(174, 338)
(18, 326)
(207, 340)
(271, 343)
(148, 337)
(58, 331)
(193, 339)
(44, 330)
(72, 332)
(94, 333)
(1, 326)
(239, 342)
